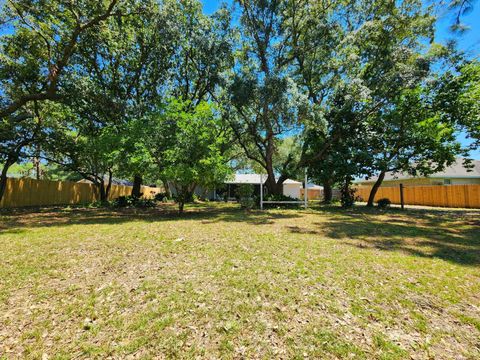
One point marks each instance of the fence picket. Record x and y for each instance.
(459, 196)
(31, 192)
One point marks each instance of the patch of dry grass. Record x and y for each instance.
(219, 282)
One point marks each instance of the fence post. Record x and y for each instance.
(261, 191)
(401, 197)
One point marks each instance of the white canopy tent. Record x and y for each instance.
(262, 202)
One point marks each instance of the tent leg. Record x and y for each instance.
(261, 192)
(305, 193)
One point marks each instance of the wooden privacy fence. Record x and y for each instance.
(313, 194)
(455, 196)
(31, 192)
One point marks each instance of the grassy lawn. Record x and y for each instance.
(222, 283)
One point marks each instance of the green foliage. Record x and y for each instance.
(347, 197)
(48, 172)
(133, 201)
(203, 50)
(121, 70)
(190, 154)
(244, 193)
(469, 99)
(380, 112)
(163, 197)
(280, 197)
(80, 145)
(457, 94)
(21, 170)
(384, 203)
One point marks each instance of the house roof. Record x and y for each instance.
(290, 181)
(246, 179)
(456, 170)
(314, 186)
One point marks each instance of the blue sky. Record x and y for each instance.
(469, 41)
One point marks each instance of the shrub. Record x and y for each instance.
(384, 203)
(245, 196)
(347, 198)
(96, 204)
(145, 203)
(280, 197)
(244, 190)
(123, 201)
(161, 196)
(132, 201)
(185, 197)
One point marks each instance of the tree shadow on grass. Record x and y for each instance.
(13, 220)
(447, 235)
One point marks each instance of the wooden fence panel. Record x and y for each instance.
(31, 192)
(455, 196)
(313, 194)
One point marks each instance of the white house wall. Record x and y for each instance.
(292, 190)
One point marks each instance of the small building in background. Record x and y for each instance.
(291, 188)
(232, 184)
(315, 192)
(228, 190)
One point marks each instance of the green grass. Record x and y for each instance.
(219, 282)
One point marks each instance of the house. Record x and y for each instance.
(242, 179)
(456, 174)
(292, 188)
(315, 192)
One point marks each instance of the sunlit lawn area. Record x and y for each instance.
(220, 282)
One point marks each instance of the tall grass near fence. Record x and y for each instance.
(454, 196)
(31, 192)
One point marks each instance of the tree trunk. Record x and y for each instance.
(3, 177)
(36, 162)
(271, 183)
(137, 186)
(327, 192)
(181, 195)
(374, 190)
(167, 188)
(348, 195)
(103, 195)
(181, 205)
(273, 187)
(109, 185)
(191, 192)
